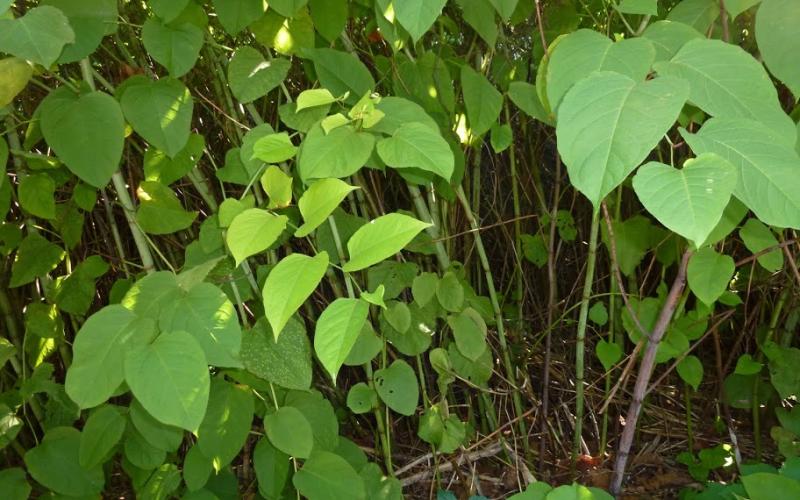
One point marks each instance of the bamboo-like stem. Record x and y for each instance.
(501, 333)
(433, 231)
(580, 341)
(645, 372)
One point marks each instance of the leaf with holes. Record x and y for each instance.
(397, 387)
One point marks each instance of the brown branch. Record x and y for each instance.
(645, 372)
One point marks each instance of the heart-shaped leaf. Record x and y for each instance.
(381, 238)
(608, 353)
(174, 47)
(251, 77)
(289, 284)
(14, 76)
(709, 274)
(397, 387)
(319, 201)
(253, 231)
(39, 36)
(337, 329)
(415, 145)
(417, 16)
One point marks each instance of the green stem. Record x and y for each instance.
(581, 335)
(433, 231)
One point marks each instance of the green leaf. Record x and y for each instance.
(160, 211)
(251, 77)
(161, 168)
(469, 331)
(450, 292)
(320, 414)
(91, 20)
(668, 37)
(775, 21)
(253, 231)
(524, 96)
(164, 437)
(235, 15)
(600, 150)
(286, 36)
(289, 284)
(709, 274)
(98, 353)
(768, 180)
(14, 76)
(286, 362)
(289, 431)
(227, 422)
(336, 332)
(330, 17)
(380, 239)
(758, 237)
(176, 47)
(141, 453)
(584, 52)
(482, 100)
(480, 15)
(737, 7)
(39, 36)
(502, 137)
(312, 98)
(14, 483)
(272, 469)
(340, 153)
(37, 195)
(375, 298)
(101, 433)
(534, 249)
(207, 314)
(505, 8)
(341, 72)
(86, 132)
(417, 16)
(598, 314)
(35, 257)
(170, 378)
(608, 353)
(54, 464)
(397, 387)
(765, 486)
(639, 7)
(287, 8)
(160, 111)
(168, 10)
(361, 398)
(398, 315)
(274, 148)
(278, 187)
(326, 476)
(397, 112)
(689, 201)
(319, 201)
(699, 14)
(423, 289)
(746, 365)
(196, 469)
(725, 81)
(149, 295)
(414, 145)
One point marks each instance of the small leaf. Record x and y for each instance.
(639, 7)
(37, 195)
(272, 468)
(341, 72)
(746, 365)
(598, 314)
(398, 316)
(375, 298)
(176, 47)
(524, 96)
(54, 464)
(423, 289)
(235, 15)
(253, 231)
(289, 431)
(340, 153)
(319, 201)
(690, 370)
(709, 274)
(608, 353)
(170, 378)
(337, 329)
(285, 362)
(469, 331)
(361, 398)
(414, 145)
(482, 100)
(38, 36)
(502, 137)
(380, 239)
(314, 97)
(274, 148)
(328, 476)
(14, 482)
(227, 422)
(450, 292)
(289, 284)
(758, 237)
(397, 387)
(251, 77)
(278, 187)
(102, 431)
(14, 76)
(159, 210)
(417, 16)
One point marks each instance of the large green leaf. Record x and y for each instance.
(766, 486)
(152, 294)
(319, 201)
(330, 17)
(272, 468)
(14, 482)
(417, 16)
(35, 257)
(227, 422)
(380, 239)
(583, 52)
(601, 149)
(397, 387)
(524, 96)
(709, 273)
(689, 201)
(286, 362)
(176, 47)
(91, 20)
(87, 133)
(102, 431)
(168, 10)
(776, 24)
(289, 431)
(289, 284)
(699, 14)
(235, 15)
(482, 100)
(162, 436)
(160, 211)
(170, 378)
(769, 169)
(668, 37)
(340, 153)
(341, 72)
(160, 111)
(253, 231)
(480, 15)
(415, 145)
(14, 76)
(251, 77)
(54, 464)
(337, 330)
(725, 81)
(39, 36)
(98, 353)
(207, 314)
